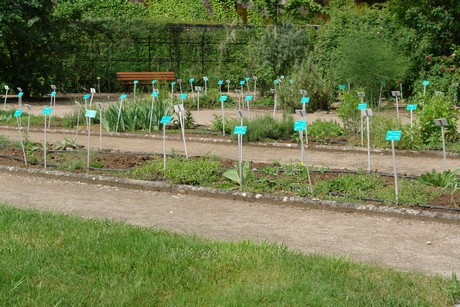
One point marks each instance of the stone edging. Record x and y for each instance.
(236, 195)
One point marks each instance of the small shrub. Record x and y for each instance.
(325, 130)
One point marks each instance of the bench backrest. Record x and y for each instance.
(145, 76)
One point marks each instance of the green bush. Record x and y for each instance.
(348, 112)
(325, 130)
(437, 107)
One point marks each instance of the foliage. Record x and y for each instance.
(437, 107)
(348, 112)
(200, 171)
(306, 76)
(189, 122)
(66, 144)
(69, 264)
(234, 175)
(325, 130)
(438, 179)
(136, 115)
(28, 44)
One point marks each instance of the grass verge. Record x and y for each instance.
(50, 259)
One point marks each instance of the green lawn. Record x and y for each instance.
(48, 259)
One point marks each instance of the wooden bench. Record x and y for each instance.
(145, 77)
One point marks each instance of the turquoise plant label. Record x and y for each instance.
(220, 82)
(123, 96)
(86, 96)
(393, 135)
(91, 113)
(205, 78)
(240, 130)
(300, 125)
(223, 98)
(172, 83)
(47, 111)
(53, 93)
(275, 81)
(136, 82)
(17, 113)
(20, 94)
(282, 77)
(291, 81)
(191, 80)
(425, 82)
(362, 106)
(248, 98)
(305, 100)
(155, 94)
(342, 87)
(242, 82)
(154, 81)
(411, 107)
(165, 120)
(183, 96)
(247, 78)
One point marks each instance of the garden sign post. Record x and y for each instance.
(191, 80)
(368, 113)
(361, 96)
(255, 86)
(247, 82)
(20, 94)
(122, 96)
(223, 98)
(89, 114)
(18, 114)
(220, 82)
(101, 108)
(361, 107)
(411, 108)
(240, 131)
(153, 85)
(396, 94)
(6, 96)
(86, 97)
(242, 87)
(135, 85)
(300, 126)
(53, 97)
(172, 89)
(304, 101)
(425, 84)
(154, 95)
(394, 135)
(442, 122)
(180, 84)
(92, 91)
(248, 98)
(179, 109)
(45, 112)
(198, 90)
(165, 120)
(205, 79)
(29, 108)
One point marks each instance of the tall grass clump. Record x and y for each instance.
(136, 115)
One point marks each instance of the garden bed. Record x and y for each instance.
(290, 180)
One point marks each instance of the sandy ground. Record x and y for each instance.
(428, 246)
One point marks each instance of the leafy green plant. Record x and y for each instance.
(135, 115)
(348, 112)
(189, 121)
(234, 175)
(325, 130)
(437, 107)
(66, 144)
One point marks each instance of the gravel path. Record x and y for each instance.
(429, 246)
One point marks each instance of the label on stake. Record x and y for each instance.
(362, 106)
(17, 113)
(240, 130)
(91, 113)
(305, 100)
(165, 120)
(393, 135)
(47, 111)
(248, 98)
(425, 82)
(155, 94)
(183, 96)
(300, 125)
(86, 96)
(123, 96)
(223, 98)
(411, 107)
(20, 94)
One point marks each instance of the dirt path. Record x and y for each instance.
(429, 246)
(408, 163)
